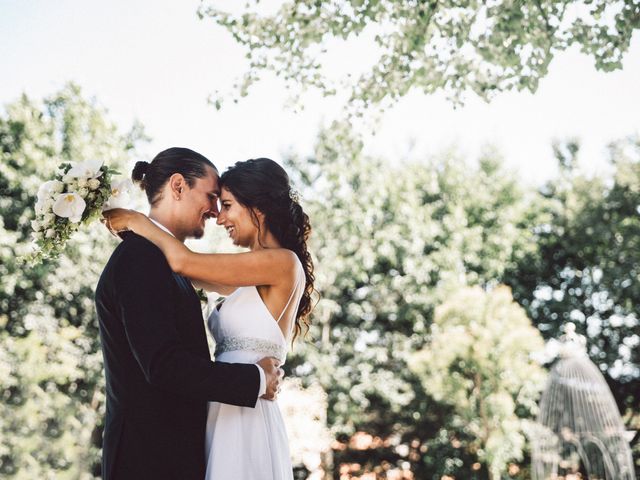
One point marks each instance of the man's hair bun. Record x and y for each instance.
(153, 176)
(139, 171)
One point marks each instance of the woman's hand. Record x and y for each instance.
(119, 219)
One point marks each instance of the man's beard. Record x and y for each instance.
(197, 233)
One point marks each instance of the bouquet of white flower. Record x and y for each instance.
(78, 195)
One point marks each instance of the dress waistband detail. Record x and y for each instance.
(259, 345)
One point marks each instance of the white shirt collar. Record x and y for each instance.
(162, 227)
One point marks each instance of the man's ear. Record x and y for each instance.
(177, 184)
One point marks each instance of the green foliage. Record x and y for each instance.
(391, 243)
(50, 362)
(586, 270)
(450, 46)
(397, 249)
(478, 360)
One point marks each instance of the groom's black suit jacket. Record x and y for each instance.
(159, 374)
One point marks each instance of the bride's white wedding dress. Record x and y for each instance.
(249, 443)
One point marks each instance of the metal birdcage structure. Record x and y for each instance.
(579, 432)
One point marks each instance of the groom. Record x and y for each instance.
(159, 375)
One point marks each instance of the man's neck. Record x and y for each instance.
(165, 220)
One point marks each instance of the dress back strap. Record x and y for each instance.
(295, 289)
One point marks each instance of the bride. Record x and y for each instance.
(268, 303)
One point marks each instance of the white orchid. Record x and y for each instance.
(69, 205)
(120, 192)
(85, 170)
(46, 191)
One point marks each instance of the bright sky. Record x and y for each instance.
(157, 62)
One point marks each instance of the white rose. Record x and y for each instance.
(94, 184)
(83, 182)
(35, 225)
(86, 170)
(48, 219)
(48, 204)
(69, 205)
(83, 192)
(50, 233)
(120, 191)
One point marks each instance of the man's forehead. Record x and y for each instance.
(211, 181)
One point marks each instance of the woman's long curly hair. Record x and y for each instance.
(262, 184)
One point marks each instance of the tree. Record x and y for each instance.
(455, 47)
(586, 266)
(50, 361)
(479, 361)
(390, 243)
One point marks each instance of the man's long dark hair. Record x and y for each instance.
(153, 176)
(262, 184)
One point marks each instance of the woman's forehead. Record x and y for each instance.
(225, 194)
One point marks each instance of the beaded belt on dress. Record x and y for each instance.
(259, 345)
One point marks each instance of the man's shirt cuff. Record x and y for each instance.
(263, 381)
